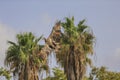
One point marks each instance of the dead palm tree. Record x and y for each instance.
(52, 42)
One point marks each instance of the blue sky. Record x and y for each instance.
(102, 16)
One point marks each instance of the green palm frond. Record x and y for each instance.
(58, 75)
(6, 73)
(12, 43)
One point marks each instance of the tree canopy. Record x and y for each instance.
(103, 74)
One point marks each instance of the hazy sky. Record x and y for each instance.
(103, 16)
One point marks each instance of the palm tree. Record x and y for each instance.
(102, 73)
(58, 75)
(22, 56)
(76, 45)
(52, 42)
(5, 73)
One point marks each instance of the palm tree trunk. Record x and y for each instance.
(69, 65)
(27, 74)
(35, 74)
(21, 73)
(73, 66)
